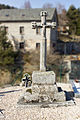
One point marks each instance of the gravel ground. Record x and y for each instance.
(8, 105)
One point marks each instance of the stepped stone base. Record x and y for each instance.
(44, 89)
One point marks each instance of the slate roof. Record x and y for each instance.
(24, 14)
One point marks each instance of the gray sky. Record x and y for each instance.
(39, 3)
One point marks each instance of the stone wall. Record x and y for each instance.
(30, 38)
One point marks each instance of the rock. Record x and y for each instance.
(35, 89)
(22, 83)
(46, 98)
(60, 96)
(31, 97)
(43, 98)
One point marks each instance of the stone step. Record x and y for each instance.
(21, 104)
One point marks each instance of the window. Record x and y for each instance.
(21, 30)
(23, 14)
(7, 15)
(38, 31)
(37, 45)
(53, 44)
(21, 45)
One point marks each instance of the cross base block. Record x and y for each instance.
(44, 89)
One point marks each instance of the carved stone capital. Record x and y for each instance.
(43, 13)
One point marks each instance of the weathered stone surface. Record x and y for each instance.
(43, 77)
(46, 98)
(35, 89)
(44, 89)
(43, 83)
(39, 98)
(31, 97)
(60, 96)
(41, 93)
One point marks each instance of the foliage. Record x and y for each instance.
(7, 55)
(4, 77)
(60, 7)
(62, 18)
(9, 59)
(29, 90)
(2, 6)
(78, 27)
(31, 57)
(54, 62)
(73, 14)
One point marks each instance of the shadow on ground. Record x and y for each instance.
(1, 95)
(9, 92)
(1, 111)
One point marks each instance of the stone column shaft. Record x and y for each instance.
(43, 45)
(43, 55)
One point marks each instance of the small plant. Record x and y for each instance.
(29, 90)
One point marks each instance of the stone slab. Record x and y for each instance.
(44, 89)
(45, 105)
(43, 78)
(31, 97)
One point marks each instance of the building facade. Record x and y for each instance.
(17, 23)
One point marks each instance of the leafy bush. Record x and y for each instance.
(73, 15)
(7, 55)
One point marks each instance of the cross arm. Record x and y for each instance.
(35, 25)
(51, 25)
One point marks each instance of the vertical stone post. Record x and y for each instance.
(43, 44)
(43, 48)
(68, 66)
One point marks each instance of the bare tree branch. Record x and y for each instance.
(47, 5)
(60, 8)
(27, 4)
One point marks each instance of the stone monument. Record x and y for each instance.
(44, 88)
(43, 44)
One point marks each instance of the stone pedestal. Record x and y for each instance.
(43, 78)
(43, 84)
(44, 89)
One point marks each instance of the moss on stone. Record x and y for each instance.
(29, 90)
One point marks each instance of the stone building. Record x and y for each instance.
(17, 23)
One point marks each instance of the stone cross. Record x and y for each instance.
(43, 44)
